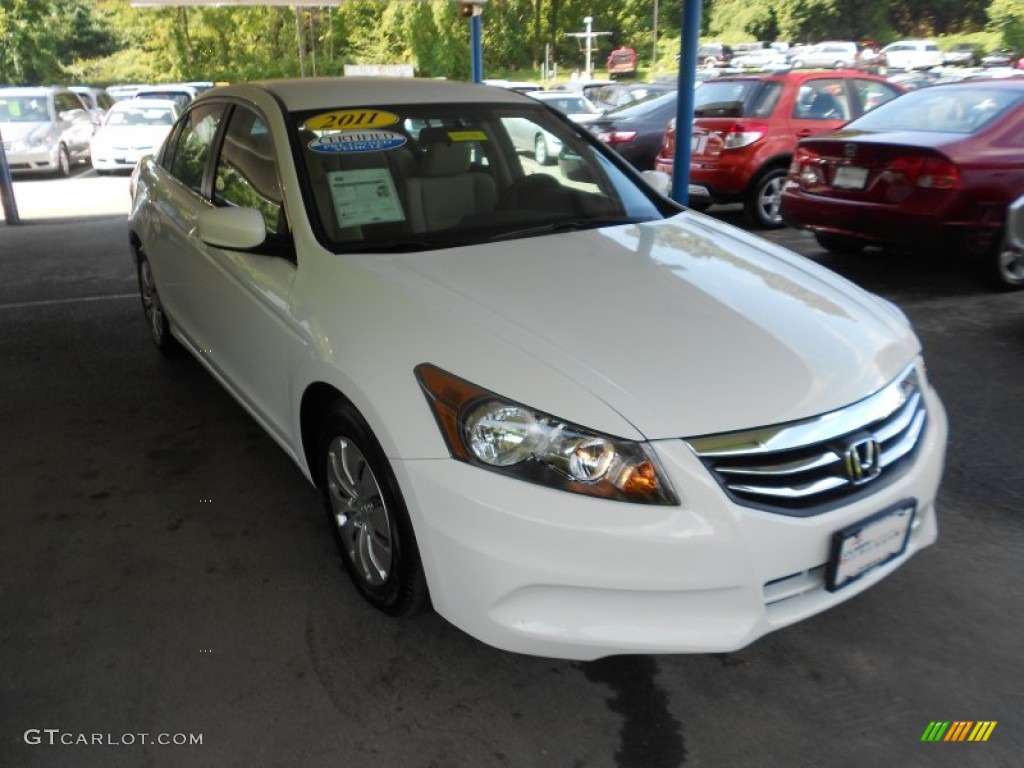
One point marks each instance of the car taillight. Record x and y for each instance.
(807, 169)
(925, 172)
(668, 143)
(616, 137)
(938, 173)
(744, 134)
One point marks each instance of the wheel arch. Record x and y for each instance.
(316, 400)
(774, 162)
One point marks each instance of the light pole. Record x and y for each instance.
(587, 22)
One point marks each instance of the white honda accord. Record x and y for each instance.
(581, 418)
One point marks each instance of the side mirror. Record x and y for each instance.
(237, 229)
(659, 181)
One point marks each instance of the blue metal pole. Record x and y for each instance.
(476, 28)
(689, 38)
(7, 188)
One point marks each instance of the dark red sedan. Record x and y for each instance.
(934, 169)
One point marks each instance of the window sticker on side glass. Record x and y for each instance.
(348, 119)
(372, 140)
(365, 196)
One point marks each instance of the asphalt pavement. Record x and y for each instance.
(168, 575)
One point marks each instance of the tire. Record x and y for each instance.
(368, 516)
(63, 169)
(798, 64)
(540, 151)
(156, 318)
(709, 62)
(763, 204)
(1008, 266)
(838, 244)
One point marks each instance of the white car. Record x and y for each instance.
(528, 137)
(911, 54)
(45, 130)
(131, 129)
(831, 54)
(583, 419)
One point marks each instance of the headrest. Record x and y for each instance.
(442, 156)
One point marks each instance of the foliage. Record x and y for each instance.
(106, 41)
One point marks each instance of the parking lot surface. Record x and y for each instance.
(167, 572)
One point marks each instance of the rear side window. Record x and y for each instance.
(193, 145)
(725, 98)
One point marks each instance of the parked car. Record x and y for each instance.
(831, 54)
(711, 55)
(934, 169)
(1010, 262)
(622, 62)
(96, 100)
(575, 106)
(1001, 58)
(636, 130)
(617, 95)
(908, 55)
(132, 128)
(489, 373)
(765, 58)
(179, 93)
(45, 129)
(963, 55)
(746, 127)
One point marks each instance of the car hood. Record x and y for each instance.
(683, 327)
(20, 131)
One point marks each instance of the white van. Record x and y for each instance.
(911, 54)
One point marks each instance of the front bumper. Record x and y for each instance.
(538, 571)
(34, 160)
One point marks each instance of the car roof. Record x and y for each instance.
(146, 103)
(31, 90)
(316, 93)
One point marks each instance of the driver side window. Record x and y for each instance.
(194, 144)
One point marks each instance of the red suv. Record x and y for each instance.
(746, 128)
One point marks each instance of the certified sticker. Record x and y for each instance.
(347, 119)
(357, 141)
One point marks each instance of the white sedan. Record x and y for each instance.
(130, 130)
(581, 418)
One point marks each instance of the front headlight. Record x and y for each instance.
(492, 432)
(42, 138)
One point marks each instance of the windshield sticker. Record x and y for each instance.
(365, 196)
(349, 119)
(357, 141)
(467, 135)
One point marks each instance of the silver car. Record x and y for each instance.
(44, 130)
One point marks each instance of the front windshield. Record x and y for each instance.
(23, 109)
(400, 178)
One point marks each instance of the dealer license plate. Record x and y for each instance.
(850, 177)
(868, 544)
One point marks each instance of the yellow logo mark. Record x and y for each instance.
(346, 119)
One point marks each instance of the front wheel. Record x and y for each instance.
(63, 169)
(764, 204)
(156, 319)
(1009, 266)
(540, 151)
(368, 515)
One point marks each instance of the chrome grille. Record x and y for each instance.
(811, 466)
